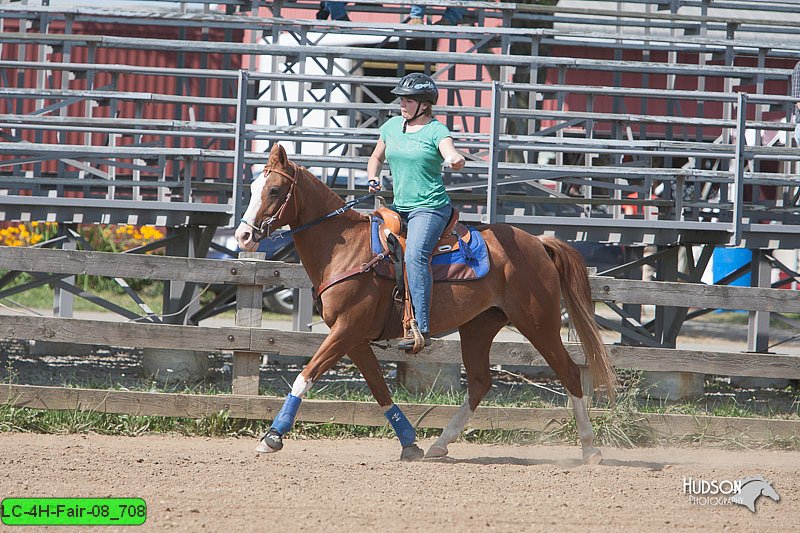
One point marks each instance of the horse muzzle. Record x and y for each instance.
(248, 236)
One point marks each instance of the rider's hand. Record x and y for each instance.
(456, 162)
(374, 185)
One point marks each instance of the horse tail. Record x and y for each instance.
(578, 298)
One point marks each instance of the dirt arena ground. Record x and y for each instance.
(191, 484)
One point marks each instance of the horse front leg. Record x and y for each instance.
(476, 341)
(364, 358)
(330, 351)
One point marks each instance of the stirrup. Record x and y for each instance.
(415, 341)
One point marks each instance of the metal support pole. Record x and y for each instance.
(173, 290)
(666, 270)
(63, 300)
(758, 321)
(738, 170)
(490, 216)
(303, 309)
(240, 144)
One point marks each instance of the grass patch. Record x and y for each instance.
(22, 419)
(42, 298)
(623, 425)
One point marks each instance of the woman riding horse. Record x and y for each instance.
(524, 286)
(416, 145)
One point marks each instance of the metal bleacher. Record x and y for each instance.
(659, 125)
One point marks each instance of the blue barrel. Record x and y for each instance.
(727, 260)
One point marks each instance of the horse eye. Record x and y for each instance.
(274, 192)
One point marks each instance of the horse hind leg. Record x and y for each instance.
(591, 455)
(364, 358)
(476, 340)
(546, 338)
(568, 372)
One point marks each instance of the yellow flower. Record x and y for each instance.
(35, 224)
(17, 242)
(35, 239)
(21, 227)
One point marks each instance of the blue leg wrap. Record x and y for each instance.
(401, 425)
(283, 422)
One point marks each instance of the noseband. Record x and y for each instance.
(263, 229)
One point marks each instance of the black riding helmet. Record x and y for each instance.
(417, 86)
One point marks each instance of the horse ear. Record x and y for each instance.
(277, 156)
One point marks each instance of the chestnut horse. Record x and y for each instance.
(524, 286)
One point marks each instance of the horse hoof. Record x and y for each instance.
(271, 442)
(592, 456)
(411, 453)
(436, 452)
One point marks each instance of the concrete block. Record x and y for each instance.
(419, 378)
(673, 385)
(175, 366)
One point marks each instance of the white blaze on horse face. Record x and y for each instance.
(244, 233)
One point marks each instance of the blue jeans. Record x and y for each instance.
(338, 10)
(425, 226)
(452, 15)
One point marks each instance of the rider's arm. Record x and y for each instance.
(375, 165)
(452, 157)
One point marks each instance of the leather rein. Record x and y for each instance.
(263, 230)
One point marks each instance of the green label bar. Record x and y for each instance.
(73, 511)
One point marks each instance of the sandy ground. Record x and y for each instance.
(349, 485)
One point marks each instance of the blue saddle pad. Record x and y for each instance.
(469, 262)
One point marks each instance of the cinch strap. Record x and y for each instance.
(283, 422)
(401, 426)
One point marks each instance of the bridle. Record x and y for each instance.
(263, 229)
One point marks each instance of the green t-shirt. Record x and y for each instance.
(416, 164)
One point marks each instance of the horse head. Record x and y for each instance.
(769, 491)
(754, 487)
(273, 202)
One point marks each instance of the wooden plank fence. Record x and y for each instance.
(370, 414)
(245, 341)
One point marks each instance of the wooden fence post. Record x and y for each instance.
(248, 315)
